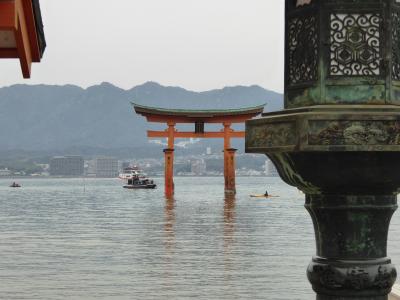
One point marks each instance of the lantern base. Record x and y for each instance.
(346, 160)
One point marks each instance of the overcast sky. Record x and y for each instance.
(195, 44)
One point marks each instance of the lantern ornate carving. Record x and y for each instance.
(337, 47)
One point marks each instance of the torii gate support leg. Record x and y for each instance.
(229, 167)
(169, 172)
(229, 161)
(169, 161)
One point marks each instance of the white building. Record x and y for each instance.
(5, 172)
(198, 167)
(270, 169)
(105, 167)
(70, 165)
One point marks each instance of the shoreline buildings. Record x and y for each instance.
(71, 165)
(106, 167)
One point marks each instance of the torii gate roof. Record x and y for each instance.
(163, 115)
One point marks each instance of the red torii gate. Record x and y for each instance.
(171, 117)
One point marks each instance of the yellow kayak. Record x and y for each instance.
(263, 196)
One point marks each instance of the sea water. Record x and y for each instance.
(92, 239)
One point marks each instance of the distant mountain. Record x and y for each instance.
(42, 117)
(154, 94)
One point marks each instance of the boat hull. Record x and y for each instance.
(138, 187)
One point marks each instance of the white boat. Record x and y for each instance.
(130, 173)
(136, 179)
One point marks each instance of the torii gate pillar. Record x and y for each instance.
(169, 172)
(229, 160)
(229, 171)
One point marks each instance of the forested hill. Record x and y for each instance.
(42, 117)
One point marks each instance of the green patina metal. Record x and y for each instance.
(288, 172)
(338, 139)
(344, 52)
(347, 128)
(194, 112)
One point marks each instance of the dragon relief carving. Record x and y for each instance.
(384, 278)
(353, 278)
(272, 135)
(354, 133)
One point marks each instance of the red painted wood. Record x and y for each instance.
(8, 15)
(169, 172)
(18, 16)
(188, 134)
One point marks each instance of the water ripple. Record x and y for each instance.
(75, 239)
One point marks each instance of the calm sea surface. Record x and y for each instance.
(91, 239)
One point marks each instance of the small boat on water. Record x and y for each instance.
(136, 183)
(136, 179)
(15, 185)
(263, 196)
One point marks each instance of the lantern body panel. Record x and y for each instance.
(342, 52)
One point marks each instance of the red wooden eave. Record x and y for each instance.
(17, 16)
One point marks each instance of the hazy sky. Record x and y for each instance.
(196, 44)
